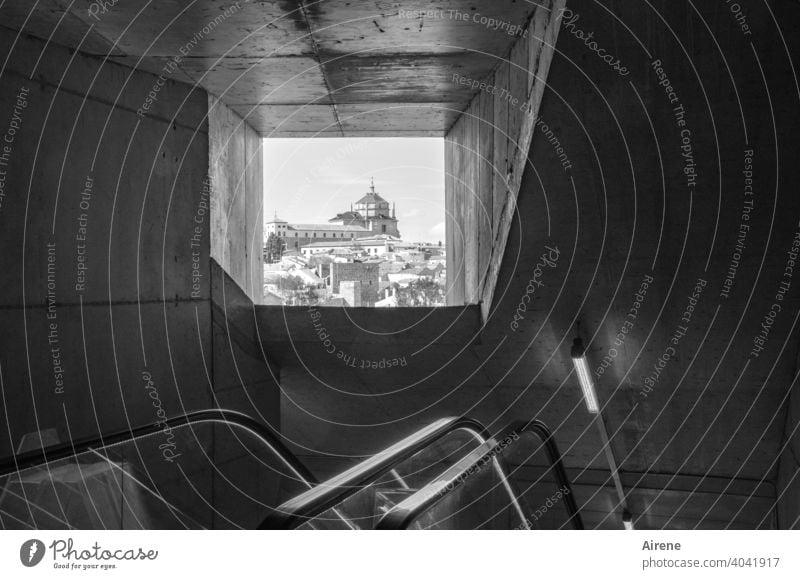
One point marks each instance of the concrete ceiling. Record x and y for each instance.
(292, 68)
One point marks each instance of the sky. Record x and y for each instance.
(311, 180)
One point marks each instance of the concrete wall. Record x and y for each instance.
(356, 380)
(132, 233)
(623, 209)
(106, 304)
(81, 346)
(484, 160)
(245, 379)
(788, 480)
(237, 234)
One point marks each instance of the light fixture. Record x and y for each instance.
(627, 520)
(584, 377)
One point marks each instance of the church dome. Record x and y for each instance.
(372, 201)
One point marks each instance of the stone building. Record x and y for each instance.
(371, 215)
(366, 274)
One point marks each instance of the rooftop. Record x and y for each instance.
(331, 244)
(347, 216)
(372, 242)
(382, 237)
(327, 227)
(371, 198)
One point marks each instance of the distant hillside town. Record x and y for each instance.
(357, 259)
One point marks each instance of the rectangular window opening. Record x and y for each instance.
(354, 222)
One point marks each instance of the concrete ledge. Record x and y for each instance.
(449, 325)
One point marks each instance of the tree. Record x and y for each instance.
(309, 297)
(422, 292)
(291, 283)
(274, 249)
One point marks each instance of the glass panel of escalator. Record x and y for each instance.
(206, 475)
(364, 508)
(483, 501)
(472, 494)
(508, 483)
(92, 490)
(543, 496)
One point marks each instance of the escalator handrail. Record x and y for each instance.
(407, 511)
(319, 499)
(266, 435)
(556, 461)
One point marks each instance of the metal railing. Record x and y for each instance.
(266, 435)
(316, 501)
(322, 497)
(403, 514)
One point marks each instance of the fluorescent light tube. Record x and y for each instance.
(627, 521)
(584, 377)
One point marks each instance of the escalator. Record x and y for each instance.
(498, 485)
(210, 469)
(222, 469)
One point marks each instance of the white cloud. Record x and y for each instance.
(438, 230)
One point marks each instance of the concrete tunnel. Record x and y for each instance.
(617, 171)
